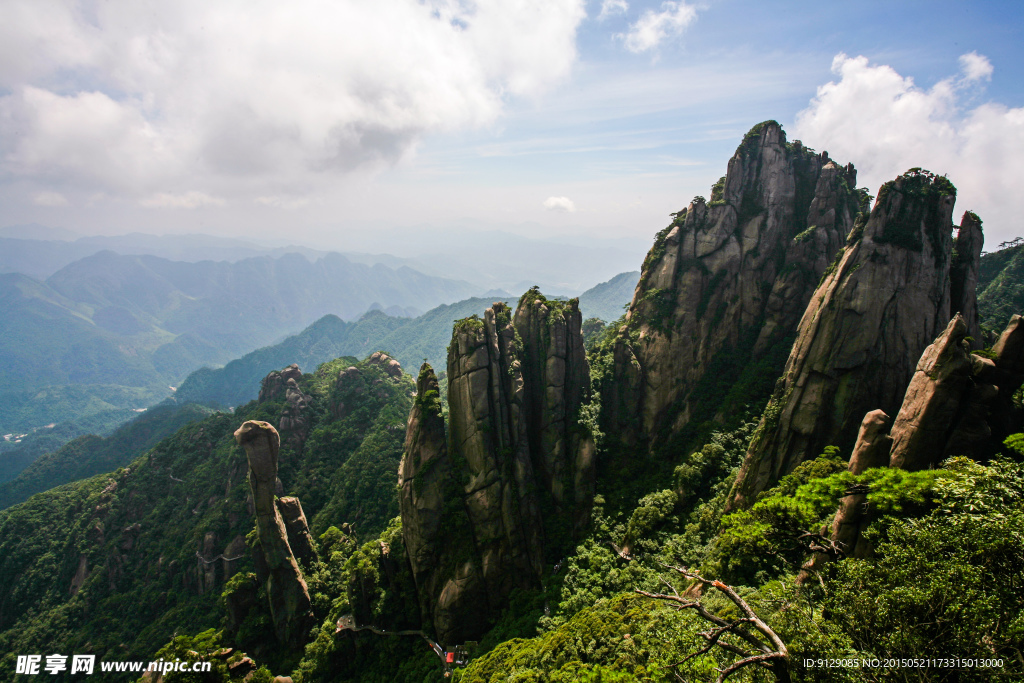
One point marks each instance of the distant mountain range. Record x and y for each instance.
(489, 259)
(409, 341)
(111, 331)
(609, 300)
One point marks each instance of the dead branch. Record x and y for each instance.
(769, 650)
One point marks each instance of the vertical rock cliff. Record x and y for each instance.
(286, 589)
(726, 284)
(882, 303)
(951, 408)
(513, 480)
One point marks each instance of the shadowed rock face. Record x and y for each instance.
(297, 528)
(726, 282)
(951, 408)
(286, 589)
(513, 479)
(424, 480)
(871, 317)
(963, 274)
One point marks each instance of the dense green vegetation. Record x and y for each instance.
(90, 455)
(1000, 288)
(109, 564)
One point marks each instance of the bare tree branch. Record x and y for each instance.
(771, 652)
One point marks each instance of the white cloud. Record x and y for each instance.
(562, 204)
(654, 27)
(187, 200)
(976, 67)
(611, 8)
(885, 124)
(49, 199)
(135, 97)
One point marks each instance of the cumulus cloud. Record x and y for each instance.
(655, 27)
(562, 204)
(611, 8)
(135, 98)
(885, 124)
(187, 200)
(49, 199)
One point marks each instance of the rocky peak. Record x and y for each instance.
(726, 282)
(515, 470)
(882, 303)
(275, 384)
(386, 363)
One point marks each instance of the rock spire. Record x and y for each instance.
(486, 508)
(286, 588)
(725, 284)
(885, 299)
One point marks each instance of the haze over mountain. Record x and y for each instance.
(564, 266)
(112, 331)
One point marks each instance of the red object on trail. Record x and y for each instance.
(450, 657)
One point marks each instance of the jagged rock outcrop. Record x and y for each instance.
(556, 383)
(726, 283)
(423, 479)
(481, 509)
(297, 528)
(286, 588)
(275, 383)
(933, 399)
(884, 301)
(951, 408)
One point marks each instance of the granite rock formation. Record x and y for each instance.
(286, 588)
(484, 509)
(275, 383)
(297, 528)
(880, 305)
(951, 408)
(963, 274)
(726, 283)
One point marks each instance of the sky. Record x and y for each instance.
(342, 123)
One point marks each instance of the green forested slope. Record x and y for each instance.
(1000, 287)
(132, 537)
(609, 300)
(89, 455)
(408, 340)
(113, 332)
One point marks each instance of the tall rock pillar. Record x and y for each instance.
(286, 589)
(880, 305)
(725, 285)
(484, 510)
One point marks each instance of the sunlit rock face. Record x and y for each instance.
(725, 285)
(486, 506)
(886, 299)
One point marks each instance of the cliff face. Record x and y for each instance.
(515, 475)
(726, 282)
(886, 299)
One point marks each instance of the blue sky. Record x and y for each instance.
(331, 123)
